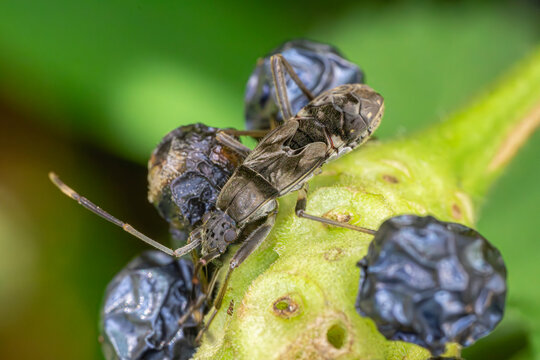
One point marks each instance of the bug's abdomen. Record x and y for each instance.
(245, 193)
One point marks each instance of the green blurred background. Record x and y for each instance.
(89, 88)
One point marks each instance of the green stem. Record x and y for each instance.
(481, 139)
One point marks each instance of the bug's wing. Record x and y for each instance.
(247, 191)
(274, 140)
(286, 169)
(271, 170)
(255, 183)
(282, 167)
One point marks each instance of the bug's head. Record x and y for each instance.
(362, 109)
(218, 231)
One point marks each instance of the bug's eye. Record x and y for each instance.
(206, 217)
(230, 235)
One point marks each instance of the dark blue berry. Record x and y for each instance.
(320, 67)
(142, 306)
(185, 172)
(431, 282)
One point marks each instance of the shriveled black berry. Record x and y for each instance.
(320, 67)
(431, 282)
(142, 306)
(185, 174)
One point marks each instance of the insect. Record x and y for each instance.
(332, 124)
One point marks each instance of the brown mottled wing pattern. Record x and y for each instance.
(282, 166)
(272, 169)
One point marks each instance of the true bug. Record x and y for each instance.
(331, 125)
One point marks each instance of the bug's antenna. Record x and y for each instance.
(191, 245)
(105, 215)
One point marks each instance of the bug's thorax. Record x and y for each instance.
(217, 231)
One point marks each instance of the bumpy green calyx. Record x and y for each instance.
(294, 297)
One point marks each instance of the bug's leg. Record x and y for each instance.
(195, 259)
(193, 309)
(300, 211)
(280, 85)
(253, 240)
(105, 215)
(257, 134)
(225, 139)
(203, 261)
(207, 293)
(280, 64)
